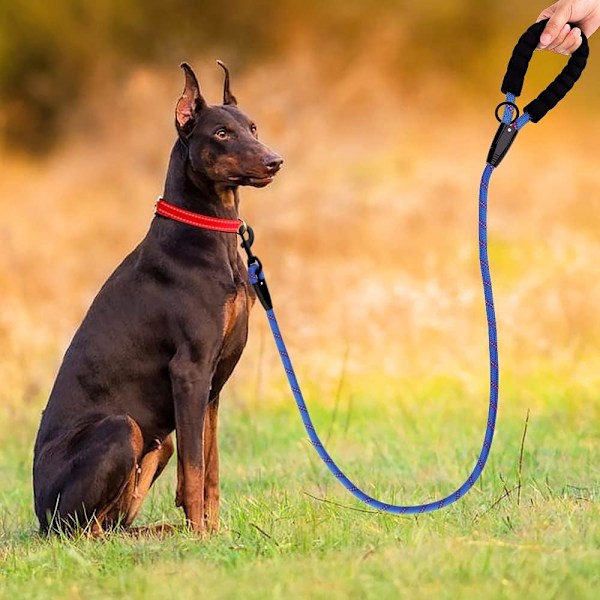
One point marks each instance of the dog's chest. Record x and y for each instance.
(235, 333)
(235, 314)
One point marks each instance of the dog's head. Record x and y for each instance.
(222, 141)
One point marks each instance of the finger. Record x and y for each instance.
(560, 38)
(571, 43)
(555, 25)
(545, 14)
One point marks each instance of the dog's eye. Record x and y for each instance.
(253, 129)
(221, 134)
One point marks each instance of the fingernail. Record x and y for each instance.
(545, 40)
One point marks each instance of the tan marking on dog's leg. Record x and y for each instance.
(211, 467)
(117, 510)
(179, 490)
(190, 490)
(150, 468)
(193, 496)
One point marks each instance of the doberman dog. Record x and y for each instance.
(158, 343)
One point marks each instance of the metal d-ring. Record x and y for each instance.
(508, 104)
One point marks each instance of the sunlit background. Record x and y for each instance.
(383, 112)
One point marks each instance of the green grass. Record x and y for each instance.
(406, 442)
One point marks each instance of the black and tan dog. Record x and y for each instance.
(157, 345)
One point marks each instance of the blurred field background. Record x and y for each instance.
(384, 114)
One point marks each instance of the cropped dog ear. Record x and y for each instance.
(228, 97)
(191, 101)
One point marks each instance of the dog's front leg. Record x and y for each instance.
(190, 396)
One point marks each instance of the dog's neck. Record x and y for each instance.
(192, 191)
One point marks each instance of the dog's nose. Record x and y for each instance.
(273, 162)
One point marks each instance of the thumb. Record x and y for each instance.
(557, 21)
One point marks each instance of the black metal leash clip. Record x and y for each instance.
(260, 285)
(505, 136)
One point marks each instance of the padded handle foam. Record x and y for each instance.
(558, 89)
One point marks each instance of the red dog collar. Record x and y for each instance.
(170, 211)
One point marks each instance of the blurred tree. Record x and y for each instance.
(49, 51)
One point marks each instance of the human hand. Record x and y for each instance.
(558, 35)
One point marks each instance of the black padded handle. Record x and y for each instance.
(557, 90)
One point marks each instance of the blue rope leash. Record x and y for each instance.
(510, 124)
(508, 129)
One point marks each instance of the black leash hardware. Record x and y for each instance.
(505, 136)
(257, 278)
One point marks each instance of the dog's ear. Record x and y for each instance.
(228, 97)
(191, 101)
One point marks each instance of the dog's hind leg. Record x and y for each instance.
(80, 481)
(150, 467)
(211, 466)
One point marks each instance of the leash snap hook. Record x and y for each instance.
(255, 268)
(247, 234)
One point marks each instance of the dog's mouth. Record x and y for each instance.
(251, 180)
